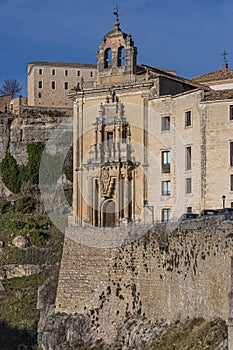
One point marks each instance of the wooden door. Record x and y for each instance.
(109, 215)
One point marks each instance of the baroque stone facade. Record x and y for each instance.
(174, 131)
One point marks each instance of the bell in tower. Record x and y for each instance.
(116, 58)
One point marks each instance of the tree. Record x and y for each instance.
(11, 86)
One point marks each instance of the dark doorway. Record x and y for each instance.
(109, 215)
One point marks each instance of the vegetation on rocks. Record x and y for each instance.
(24, 216)
(17, 177)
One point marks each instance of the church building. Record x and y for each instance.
(149, 145)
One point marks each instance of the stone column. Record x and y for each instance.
(145, 145)
(75, 163)
(126, 197)
(90, 199)
(80, 160)
(118, 198)
(230, 319)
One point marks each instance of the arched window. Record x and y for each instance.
(107, 58)
(121, 56)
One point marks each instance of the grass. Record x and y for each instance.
(18, 301)
(194, 334)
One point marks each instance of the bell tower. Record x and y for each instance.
(116, 58)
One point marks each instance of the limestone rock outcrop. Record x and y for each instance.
(21, 242)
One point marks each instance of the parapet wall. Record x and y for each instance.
(167, 274)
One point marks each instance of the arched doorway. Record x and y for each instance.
(108, 213)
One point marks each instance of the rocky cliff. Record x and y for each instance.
(32, 125)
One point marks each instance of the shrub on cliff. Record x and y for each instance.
(26, 205)
(34, 151)
(10, 173)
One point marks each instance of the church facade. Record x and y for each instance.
(149, 145)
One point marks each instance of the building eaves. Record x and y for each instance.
(154, 72)
(63, 64)
(215, 95)
(220, 74)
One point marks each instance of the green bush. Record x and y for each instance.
(26, 205)
(38, 238)
(34, 151)
(5, 207)
(68, 171)
(15, 176)
(10, 173)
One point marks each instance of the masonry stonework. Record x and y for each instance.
(164, 275)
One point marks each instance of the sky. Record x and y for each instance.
(188, 36)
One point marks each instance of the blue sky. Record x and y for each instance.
(186, 35)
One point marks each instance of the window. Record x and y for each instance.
(40, 71)
(66, 85)
(66, 72)
(166, 161)
(40, 84)
(110, 139)
(53, 85)
(188, 118)
(165, 123)
(189, 210)
(231, 153)
(39, 95)
(231, 204)
(231, 182)
(188, 158)
(166, 214)
(53, 72)
(231, 112)
(124, 135)
(91, 74)
(166, 188)
(188, 185)
(107, 58)
(121, 56)
(78, 73)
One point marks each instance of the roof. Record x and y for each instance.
(215, 95)
(154, 72)
(220, 74)
(63, 64)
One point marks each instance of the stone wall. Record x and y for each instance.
(167, 274)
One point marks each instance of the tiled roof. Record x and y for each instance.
(154, 72)
(218, 95)
(64, 64)
(220, 74)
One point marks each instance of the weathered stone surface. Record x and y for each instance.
(163, 275)
(32, 125)
(1, 287)
(61, 331)
(11, 271)
(21, 242)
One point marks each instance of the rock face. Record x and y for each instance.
(11, 271)
(21, 242)
(62, 331)
(32, 125)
